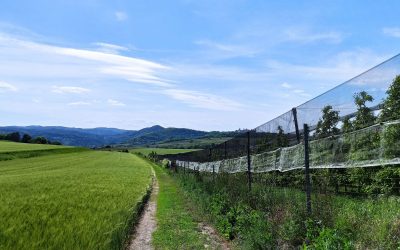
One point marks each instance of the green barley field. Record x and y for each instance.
(78, 200)
(8, 146)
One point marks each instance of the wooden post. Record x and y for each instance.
(248, 160)
(307, 169)
(296, 124)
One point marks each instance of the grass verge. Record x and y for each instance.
(270, 217)
(176, 227)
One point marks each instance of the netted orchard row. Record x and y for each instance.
(353, 125)
(368, 147)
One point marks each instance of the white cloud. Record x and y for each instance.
(224, 50)
(286, 85)
(306, 36)
(109, 48)
(339, 68)
(113, 102)
(392, 31)
(80, 103)
(33, 60)
(121, 16)
(69, 90)
(4, 86)
(202, 100)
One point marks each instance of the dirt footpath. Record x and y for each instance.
(141, 240)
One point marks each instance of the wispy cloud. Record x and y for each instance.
(5, 86)
(226, 50)
(306, 36)
(301, 92)
(202, 100)
(286, 85)
(109, 48)
(391, 31)
(34, 60)
(69, 90)
(339, 68)
(121, 15)
(113, 102)
(80, 103)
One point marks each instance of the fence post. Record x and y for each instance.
(248, 160)
(296, 124)
(213, 166)
(307, 168)
(225, 150)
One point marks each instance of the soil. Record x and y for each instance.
(213, 239)
(141, 239)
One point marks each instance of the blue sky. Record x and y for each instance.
(210, 65)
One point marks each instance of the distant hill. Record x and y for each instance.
(100, 137)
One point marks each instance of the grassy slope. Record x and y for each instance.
(160, 151)
(176, 228)
(80, 200)
(14, 150)
(7, 146)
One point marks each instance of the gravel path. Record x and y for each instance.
(141, 240)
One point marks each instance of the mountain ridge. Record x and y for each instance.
(102, 136)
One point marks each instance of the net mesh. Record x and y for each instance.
(277, 145)
(368, 147)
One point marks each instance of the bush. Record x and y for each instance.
(330, 239)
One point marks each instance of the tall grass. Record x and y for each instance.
(273, 216)
(84, 200)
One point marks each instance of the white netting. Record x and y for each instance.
(373, 146)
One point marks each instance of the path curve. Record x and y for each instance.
(141, 240)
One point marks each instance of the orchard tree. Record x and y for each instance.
(391, 105)
(326, 126)
(281, 139)
(391, 111)
(364, 115)
(347, 125)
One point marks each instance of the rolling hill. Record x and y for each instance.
(100, 137)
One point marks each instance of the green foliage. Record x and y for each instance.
(330, 239)
(364, 116)
(391, 105)
(26, 138)
(347, 125)
(273, 216)
(281, 139)
(391, 141)
(15, 137)
(365, 145)
(40, 140)
(326, 126)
